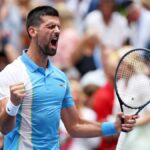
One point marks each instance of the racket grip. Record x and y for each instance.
(121, 140)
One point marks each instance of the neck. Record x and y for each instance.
(37, 56)
(107, 19)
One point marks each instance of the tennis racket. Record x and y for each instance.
(132, 84)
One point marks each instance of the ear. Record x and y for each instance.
(32, 31)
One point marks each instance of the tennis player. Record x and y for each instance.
(35, 95)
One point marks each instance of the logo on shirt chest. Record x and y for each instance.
(63, 85)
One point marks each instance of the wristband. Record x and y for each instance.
(11, 109)
(108, 129)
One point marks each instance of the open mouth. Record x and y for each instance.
(54, 41)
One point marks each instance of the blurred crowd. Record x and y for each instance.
(94, 35)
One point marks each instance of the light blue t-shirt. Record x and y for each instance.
(47, 92)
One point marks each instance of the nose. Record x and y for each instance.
(57, 29)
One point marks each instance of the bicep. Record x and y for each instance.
(78, 127)
(70, 117)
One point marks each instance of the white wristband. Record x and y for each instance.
(11, 109)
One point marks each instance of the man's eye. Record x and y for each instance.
(50, 27)
(53, 26)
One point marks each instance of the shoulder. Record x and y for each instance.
(13, 67)
(145, 19)
(94, 15)
(12, 72)
(145, 13)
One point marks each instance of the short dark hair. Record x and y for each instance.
(90, 89)
(34, 16)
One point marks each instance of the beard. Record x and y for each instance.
(48, 50)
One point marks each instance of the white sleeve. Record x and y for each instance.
(4, 92)
(7, 78)
(10, 75)
(4, 86)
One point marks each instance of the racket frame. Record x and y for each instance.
(115, 81)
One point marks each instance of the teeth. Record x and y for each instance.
(55, 39)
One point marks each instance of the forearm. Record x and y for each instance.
(78, 127)
(86, 129)
(7, 122)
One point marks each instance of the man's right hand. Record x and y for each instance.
(17, 92)
(129, 122)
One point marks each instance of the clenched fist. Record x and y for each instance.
(17, 92)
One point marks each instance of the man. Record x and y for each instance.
(35, 95)
(107, 20)
(139, 22)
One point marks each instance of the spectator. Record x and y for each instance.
(98, 75)
(103, 100)
(68, 39)
(83, 53)
(79, 8)
(7, 51)
(109, 24)
(11, 23)
(139, 22)
(85, 112)
(146, 4)
(24, 6)
(90, 90)
(141, 134)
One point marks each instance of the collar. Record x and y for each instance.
(32, 66)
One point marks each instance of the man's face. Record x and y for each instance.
(107, 7)
(48, 34)
(133, 13)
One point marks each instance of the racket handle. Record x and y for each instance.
(121, 140)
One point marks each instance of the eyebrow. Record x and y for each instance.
(52, 23)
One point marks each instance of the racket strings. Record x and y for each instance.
(133, 81)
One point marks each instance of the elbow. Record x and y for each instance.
(5, 128)
(5, 132)
(73, 132)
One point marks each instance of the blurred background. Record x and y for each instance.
(94, 35)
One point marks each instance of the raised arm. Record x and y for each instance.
(9, 107)
(78, 127)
